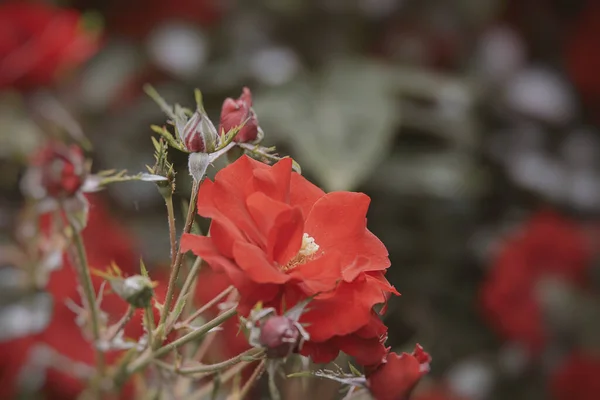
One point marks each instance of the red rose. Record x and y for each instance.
(548, 245)
(577, 378)
(398, 375)
(57, 171)
(37, 42)
(280, 239)
(235, 112)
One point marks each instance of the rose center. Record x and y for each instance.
(307, 251)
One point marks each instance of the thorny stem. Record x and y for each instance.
(172, 230)
(205, 307)
(85, 279)
(179, 257)
(149, 355)
(187, 285)
(248, 385)
(149, 320)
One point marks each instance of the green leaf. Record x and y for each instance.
(164, 106)
(143, 269)
(341, 122)
(163, 131)
(354, 370)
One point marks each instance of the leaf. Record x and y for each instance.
(341, 122)
(144, 176)
(354, 370)
(164, 106)
(164, 132)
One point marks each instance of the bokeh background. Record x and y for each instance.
(472, 124)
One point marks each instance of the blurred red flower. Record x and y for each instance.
(280, 239)
(105, 242)
(60, 170)
(38, 41)
(548, 245)
(398, 375)
(577, 378)
(582, 40)
(237, 112)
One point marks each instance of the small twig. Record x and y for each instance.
(205, 307)
(172, 230)
(121, 324)
(179, 256)
(203, 391)
(149, 355)
(208, 369)
(207, 342)
(248, 385)
(150, 327)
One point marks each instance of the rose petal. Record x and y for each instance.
(254, 263)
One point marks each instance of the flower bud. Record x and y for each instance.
(396, 378)
(56, 171)
(237, 112)
(137, 290)
(280, 336)
(199, 134)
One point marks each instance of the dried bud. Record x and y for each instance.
(237, 112)
(137, 290)
(280, 336)
(57, 171)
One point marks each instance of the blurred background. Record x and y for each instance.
(472, 124)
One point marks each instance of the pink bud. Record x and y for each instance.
(280, 336)
(199, 134)
(237, 112)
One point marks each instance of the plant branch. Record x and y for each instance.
(81, 264)
(149, 355)
(118, 327)
(179, 256)
(248, 385)
(205, 307)
(149, 320)
(172, 229)
(203, 391)
(208, 369)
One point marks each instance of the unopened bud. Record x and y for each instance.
(199, 134)
(280, 336)
(137, 290)
(235, 113)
